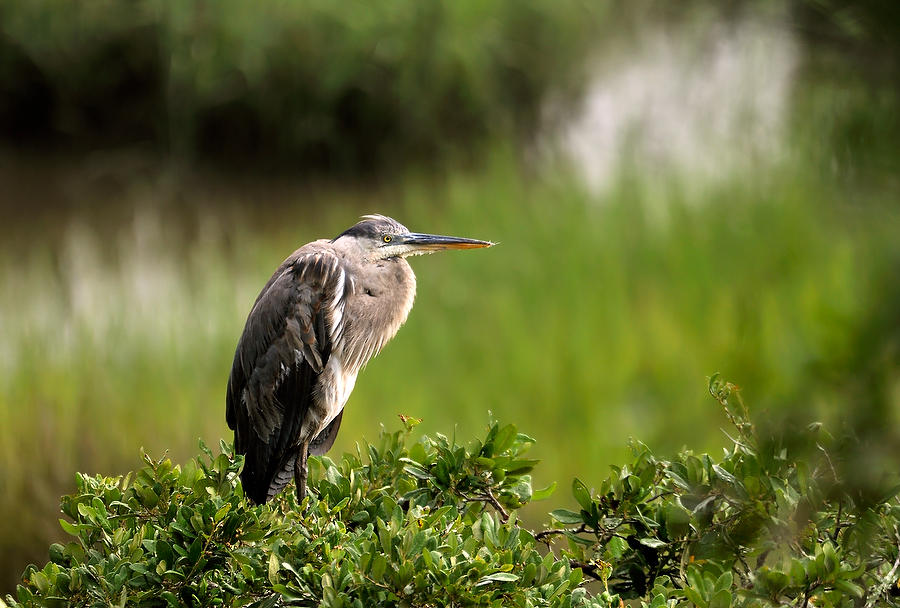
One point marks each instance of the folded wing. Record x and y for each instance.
(284, 348)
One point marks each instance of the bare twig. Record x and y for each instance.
(554, 531)
(837, 521)
(806, 594)
(745, 576)
(736, 442)
(504, 516)
(589, 569)
(489, 498)
(834, 474)
(660, 495)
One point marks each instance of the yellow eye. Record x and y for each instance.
(387, 238)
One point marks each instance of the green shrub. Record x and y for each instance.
(424, 524)
(775, 521)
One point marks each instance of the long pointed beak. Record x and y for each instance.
(436, 242)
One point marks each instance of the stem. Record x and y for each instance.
(204, 550)
(554, 531)
(589, 569)
(837, 521)
(504, 516)
(489, 498)
(660, 495)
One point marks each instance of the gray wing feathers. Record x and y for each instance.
(285, 345)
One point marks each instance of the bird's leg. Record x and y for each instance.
(300, 471)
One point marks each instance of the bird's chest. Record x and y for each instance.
(380, 303)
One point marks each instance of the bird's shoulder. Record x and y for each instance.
(315, 265)
(303, 300)
(319, 254)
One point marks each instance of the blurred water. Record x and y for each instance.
(705, 100)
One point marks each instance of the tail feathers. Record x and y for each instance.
(261, 483)
(282, 477)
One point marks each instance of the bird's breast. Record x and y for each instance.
(380, 303)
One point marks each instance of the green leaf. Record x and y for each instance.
(417, 471)
(724, 475)
(544, 493)
(677, 479)
(653, 543)
(798, 573)
(720, 599)
(497, 577)
(578, 539)
(69, 528)
(581, 494)
(520, 466)
(87, 512)
(339, 506)
(694, 597)
(677, 520)
(831, 559)
(222, 512)
(559, 590)
(39, 580)
(273, 568)
(695, 578)
(565, 516)
(504, 439)
(379, 565)
(58, 554)
(725, 581)
(195, 550)
(576, 576)
(849, 587)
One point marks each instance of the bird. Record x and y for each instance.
(328, 309)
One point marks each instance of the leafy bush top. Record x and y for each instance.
(421, 524)
(776, 521)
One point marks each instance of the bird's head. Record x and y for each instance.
(380, 237)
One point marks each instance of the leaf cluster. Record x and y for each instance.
(771, 523)
(775, 521)
(430, 523)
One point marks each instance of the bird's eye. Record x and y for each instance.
(387, 238)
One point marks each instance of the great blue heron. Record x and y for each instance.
(328, 309)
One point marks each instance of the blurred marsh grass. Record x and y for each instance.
(592, 321)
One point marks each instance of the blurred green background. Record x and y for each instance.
(677, 189)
